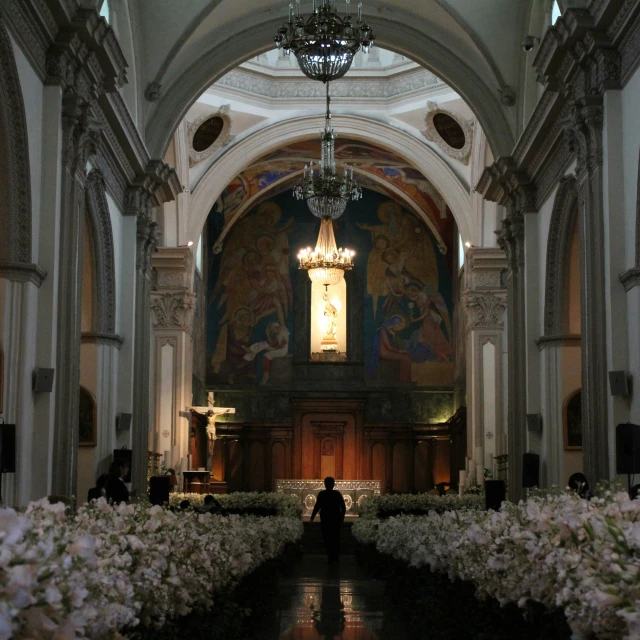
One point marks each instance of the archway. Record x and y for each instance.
(254, 147)
(175, 100)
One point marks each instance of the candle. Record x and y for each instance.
(505, 444)
(290, 12)
(348, 8)
(298, 7)
(463, 479)
(488, 462)
(359, 11)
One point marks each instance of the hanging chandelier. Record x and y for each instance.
(326, 264)
(325, 43)
(325, 190)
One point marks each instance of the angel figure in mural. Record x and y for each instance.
(376, 268)
(387, 346)
(419, 257)
(275, 346)
(428, 341)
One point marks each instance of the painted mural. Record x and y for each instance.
(408, 304)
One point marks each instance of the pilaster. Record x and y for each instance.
(173, 306)
(485, 302)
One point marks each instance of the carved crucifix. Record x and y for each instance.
(210, 411)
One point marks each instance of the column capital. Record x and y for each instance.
(173, 266)
(511, 240)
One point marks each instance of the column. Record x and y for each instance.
(173, 306)
(511, 240)
(485, 301)
(584, 134)
(146, 245)
(80, 139)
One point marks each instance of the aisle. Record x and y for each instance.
(317, 601)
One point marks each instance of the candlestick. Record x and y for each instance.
(488, 462)
(480, 475)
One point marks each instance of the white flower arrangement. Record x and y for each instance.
(110, 568)
(284, 505)
(560, 550)
(419, 502)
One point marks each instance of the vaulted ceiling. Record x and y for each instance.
(473, 45)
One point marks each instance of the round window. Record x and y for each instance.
(450, 131)
(207, 133)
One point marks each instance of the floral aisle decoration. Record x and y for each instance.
(582, 556)
(380, 506)
(282, 504)
(111, 568)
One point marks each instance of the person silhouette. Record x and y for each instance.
(330, 504)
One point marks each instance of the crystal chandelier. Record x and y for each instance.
(325, 190)
(326, 264)
(325, 44)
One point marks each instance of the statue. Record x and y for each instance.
(329, 341)
(210, 412)
(211, 432)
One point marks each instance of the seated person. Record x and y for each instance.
(116, 489)
(211, 505)
(185, 505)
(100, 490)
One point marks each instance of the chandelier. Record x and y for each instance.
(325, 190)
(326, 264)
(325, 44)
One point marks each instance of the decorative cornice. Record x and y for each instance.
(431, 133)
(223, 139)
(174, 268)
(109, 339)
(22, 272)
(568, 340)
(630, 278)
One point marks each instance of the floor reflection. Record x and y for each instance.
(332, 603)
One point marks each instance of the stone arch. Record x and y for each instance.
(174, 100)
(252, 148)
(102, 236)
(15, 180)
(563, 220)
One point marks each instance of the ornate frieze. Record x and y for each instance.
(485, 310)
(147, 244)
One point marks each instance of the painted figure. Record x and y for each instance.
(388, 346)
(275, 346)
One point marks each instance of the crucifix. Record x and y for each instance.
(211, 411)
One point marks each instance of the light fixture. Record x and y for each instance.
(325, 43)
(325, 190)
(190, 243)
(467, 244)
(326, 264)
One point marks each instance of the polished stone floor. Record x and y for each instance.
(317, 602)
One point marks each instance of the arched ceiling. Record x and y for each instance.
(472, 45)
(377, 169)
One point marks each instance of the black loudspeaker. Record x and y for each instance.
(159, 489)
(628, 448)
(618, 383)
(124, 454)
(123, 422)
(534, 422)
(530, 470)
(43, 380)
(7, 448)
(495, 493)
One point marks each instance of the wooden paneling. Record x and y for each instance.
(327, 457)
(256, 471)
(234, 466)
(401, 466)
(441, 469)
(379, 464)
(278, 463)
(423, 470)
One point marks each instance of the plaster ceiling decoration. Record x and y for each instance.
(453, 134)
(208, 133)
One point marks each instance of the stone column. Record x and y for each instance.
(511, 240)
(584, 135)
(80, 139)
(485, 301)
(146, 245)
(173, 306)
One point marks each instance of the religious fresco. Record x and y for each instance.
(384, 172)
(408, 293)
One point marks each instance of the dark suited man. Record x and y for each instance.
(330, 504)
